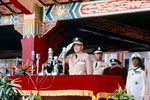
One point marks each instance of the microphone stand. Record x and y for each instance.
(50, 61)
(63, 59)
(37, 63)
(55, 64)
(50, 55)
(32, 58)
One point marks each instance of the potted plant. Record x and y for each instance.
(120, 94)
(8, 89)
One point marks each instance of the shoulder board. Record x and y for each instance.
(130, 69)
(142, 69)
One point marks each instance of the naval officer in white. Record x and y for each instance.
(136, 78)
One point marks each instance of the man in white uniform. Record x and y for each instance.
(136, 78)
(98, 65)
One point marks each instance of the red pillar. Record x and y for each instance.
(34, 44)
(41, 45)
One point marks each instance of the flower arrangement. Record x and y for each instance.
(8, 89)
(20, 68)
(120, 94)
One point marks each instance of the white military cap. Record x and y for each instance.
(136, 56)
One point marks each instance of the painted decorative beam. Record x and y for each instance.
(12, 19)
(95, 8)
(119, 28)
(40, 29)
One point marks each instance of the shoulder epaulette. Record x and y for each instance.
(102, 60)
(130, 69)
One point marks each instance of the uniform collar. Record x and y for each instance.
(78, 53)
(136, 68)
(100, 61)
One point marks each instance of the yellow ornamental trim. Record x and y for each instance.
(60, 92)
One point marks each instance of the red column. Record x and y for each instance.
(42, 44)
(34, 44)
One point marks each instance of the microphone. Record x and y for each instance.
(64, 53)
(69, 47)
(37, 63)
(32, 59)
(33, 55)
(63, 59)
(37, 56)
(50, 55)
(55, 60)
(55, 63)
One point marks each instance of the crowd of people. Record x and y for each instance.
(135, 78)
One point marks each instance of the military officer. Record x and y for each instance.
(98, 65)
(115, 63)
(79, 62)
(116, 67)
(136, 78)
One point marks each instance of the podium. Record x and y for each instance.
(70, 85)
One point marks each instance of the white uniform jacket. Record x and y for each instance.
(135, 85)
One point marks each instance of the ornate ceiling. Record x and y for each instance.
(111, 31)
(8, 8)
(49, 2)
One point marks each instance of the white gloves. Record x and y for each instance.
(69, 47)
